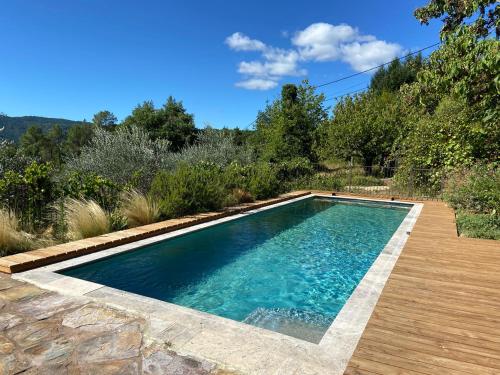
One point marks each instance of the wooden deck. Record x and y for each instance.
(439, 312)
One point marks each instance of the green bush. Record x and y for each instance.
(475, 190)
(318, 181)
(189, 189)
(91, 186)
(29, 194)
(479, 225)
(294, 168)
(262, 181)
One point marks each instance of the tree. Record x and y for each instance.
(455, 12)
(34, 143)
(287, 128)
(397, 73)
(55, 140)
(104, 119)
(365, 125)
(171, 122)
(77, 137)
(464, 67)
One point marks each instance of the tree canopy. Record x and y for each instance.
(170, 122)
(287, 128)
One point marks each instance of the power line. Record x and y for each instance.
(376, 67)
(347, 93)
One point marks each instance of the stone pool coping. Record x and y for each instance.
(53, 254)
(235, 345)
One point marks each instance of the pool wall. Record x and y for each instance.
(233, 344)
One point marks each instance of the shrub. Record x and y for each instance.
(476, 189)
(479, 225)
(29, 194)
(216, 147)
(318, 181)
(11, 239)
(189, 189)
(238, 196)
(124, 156)
(85, 218)
(294, 168)
(139, 209)
(262, 181)
(90, 186)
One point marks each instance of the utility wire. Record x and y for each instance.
(347, 93)
(376, 67)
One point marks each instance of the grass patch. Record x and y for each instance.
(139, 209)
(11, 239)
(85, 218)
(485, 226)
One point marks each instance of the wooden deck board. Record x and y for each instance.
(439, 312)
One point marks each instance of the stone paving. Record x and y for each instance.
(43, 332)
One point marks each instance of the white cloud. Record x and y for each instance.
(326, 42)
(257, 84)
(363, 56)
(319, 42)
(241, 42)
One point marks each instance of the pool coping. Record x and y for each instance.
(233, 344)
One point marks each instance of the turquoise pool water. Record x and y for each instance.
(289, 269)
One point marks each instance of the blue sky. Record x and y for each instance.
(223, 59)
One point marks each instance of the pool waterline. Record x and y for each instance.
(215, 338)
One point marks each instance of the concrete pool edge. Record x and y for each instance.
(233, 344)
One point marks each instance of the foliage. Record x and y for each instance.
(139, 209)
(465, 68)
(77, 137)
(104, 118)
(214, 146)
(85, 218)
(189, 189)
(397, 73)
(12, 159)
(288, 170)
(455, 12)
(11, 239)
(125, 156)
(287, 128)
(478, 225)
(318, 181)
(440, 142)
(366, 125)
(29, 193)
(475, 190)
(262, 181)
(90, 186)
(171, 122)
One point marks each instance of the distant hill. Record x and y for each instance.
(16, 126)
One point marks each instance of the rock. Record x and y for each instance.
(123, 367)
(123, 343)
(6, 346)
(8, 320)
(20, 292)
(27, 335)
(7, 282)
(54, 353)
(158, 361)
(46, 305)
(95, 318)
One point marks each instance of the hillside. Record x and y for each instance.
(16, 126)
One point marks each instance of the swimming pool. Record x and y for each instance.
(289, 269)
